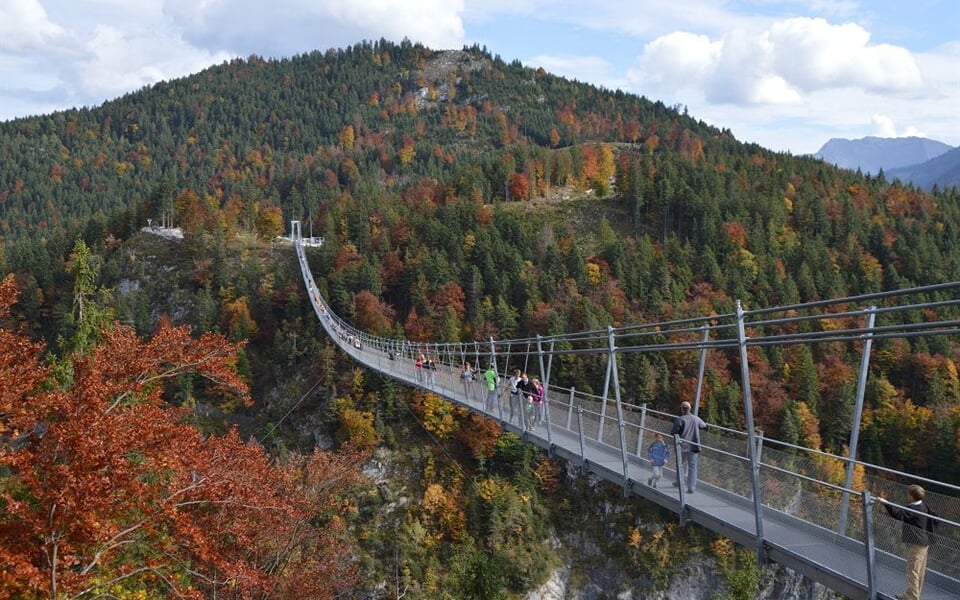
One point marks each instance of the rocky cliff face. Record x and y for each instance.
(695, 581)
(595, 568)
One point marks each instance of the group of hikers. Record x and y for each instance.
(526, 394)
(425, 370)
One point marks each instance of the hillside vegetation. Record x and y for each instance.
(462, 197)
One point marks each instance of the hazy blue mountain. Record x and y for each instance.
(942, 171)
(870, 154)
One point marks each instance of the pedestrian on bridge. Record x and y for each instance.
(659, 454)
(492, 380)
(466, 374)
(430, 367)
(688, 426)
(525, 387)
(538, 397)
(418, 367)
(915, 534)
(513, 382)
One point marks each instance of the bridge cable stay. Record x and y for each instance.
(275, 426)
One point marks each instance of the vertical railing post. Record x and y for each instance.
(759, 442)
(855, 423)
(869, 547)
(606, 392)
(643, 424)
(545, 404)
(506, 375)
(751, 433)
(700, 370)
(493, 354)
(493, 365)
(570, 408)
(583, 449)
(680, 483)
(545, 387)
(612, 348)
(758, 449)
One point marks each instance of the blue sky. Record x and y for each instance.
(786, 74)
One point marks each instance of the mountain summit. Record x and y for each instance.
(871, 154)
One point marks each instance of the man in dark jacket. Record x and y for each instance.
(525, 387)
(915, 535)
(688, 426)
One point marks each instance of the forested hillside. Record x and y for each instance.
(462, 197)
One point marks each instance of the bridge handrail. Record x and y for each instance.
(849, 334)
(766, 441)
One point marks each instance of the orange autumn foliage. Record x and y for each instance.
(106, 490)
(480, 436)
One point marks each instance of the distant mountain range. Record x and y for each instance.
(921, 161)
(942, 171)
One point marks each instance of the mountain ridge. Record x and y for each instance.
(872, 154)
(942, 171)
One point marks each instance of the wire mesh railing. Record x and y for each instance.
(799, 482)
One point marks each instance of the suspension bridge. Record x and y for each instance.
(814, 512)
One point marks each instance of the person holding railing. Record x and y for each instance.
(688, 426)
(915, 535)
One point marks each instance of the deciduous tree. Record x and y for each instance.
(106, 491)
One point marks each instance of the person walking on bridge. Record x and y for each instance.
(466, 375)
(688, 426)
(659, 454)
(512, 383)
(492, 380)
(915, 534)
(525, 387)
(418, 367)
(538, 397)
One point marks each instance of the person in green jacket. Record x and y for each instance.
(492, 380)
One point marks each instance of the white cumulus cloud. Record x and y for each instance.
(884, 126)
(680, 57)
(24, 27)
(295, 26)
(775, 65)
(813, 54)
(84, 53)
